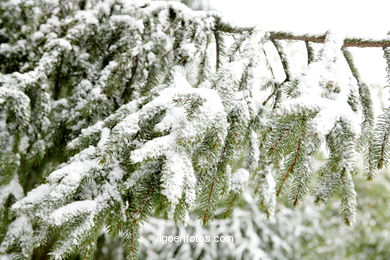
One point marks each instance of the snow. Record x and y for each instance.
(229, 77)
(105, 134)
(78, 163)
(153, 148)
(59, 42)
(254, 142)
(37, 35)
(178, 176)
(270, 183)
(19, 230)
(77, 234)
(128, 126)
(88, 17)
(71, 210)
(189, 49)
(145, 170)
(74, 169)
(314, 93)
(33, 197)
(86, 133)
(172, 120)
(238, 180)
(71, 175)
(14, 188)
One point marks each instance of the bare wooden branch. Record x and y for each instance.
(348, 42)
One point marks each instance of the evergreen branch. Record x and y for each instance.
(290, 168)
(57, 86)
(348, 198)
(219, 41)
(127, 91)
(202, 65)
(300, 181)
(310, 52)
(279, 141)
(270, 96)
(268, 63)
(230, 205)
(285, 132)
(206, 212)
(283, 58)
(328, 183)
(348, 57)
(225, 27)
(348, 42)
(386, 55)
(269, 67)
(146, 200)
(364, 91)
(218, 178)
(219, 49)
(381, 140)
(385, 129)
(381, 160)
(370, 160)
(133, 241)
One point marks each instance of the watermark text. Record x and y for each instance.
(194, 239)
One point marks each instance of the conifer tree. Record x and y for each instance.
(112, 111)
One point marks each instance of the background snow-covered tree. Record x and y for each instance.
(115, 111)
(307, 232)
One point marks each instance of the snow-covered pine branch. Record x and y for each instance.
(114, 111)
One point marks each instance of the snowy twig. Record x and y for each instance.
(348, 42)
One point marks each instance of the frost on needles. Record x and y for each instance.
(113, 111)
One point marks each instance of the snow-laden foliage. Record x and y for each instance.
(114, 111)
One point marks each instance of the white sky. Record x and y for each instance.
(359, 18)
